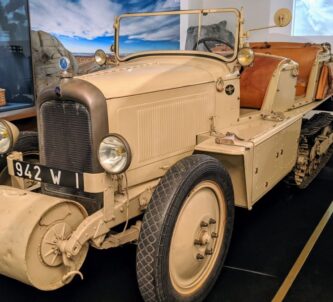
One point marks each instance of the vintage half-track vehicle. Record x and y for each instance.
(159, 149)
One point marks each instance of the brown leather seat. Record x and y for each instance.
(254, 81)
(304, 54)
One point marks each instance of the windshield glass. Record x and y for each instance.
(210, 31)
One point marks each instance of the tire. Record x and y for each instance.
(176, 202)
(27, 143)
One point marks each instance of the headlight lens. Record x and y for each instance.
(245, 56)
(114, 154)
(6, 138)
(100, 57)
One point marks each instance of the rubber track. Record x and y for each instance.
(310, 129)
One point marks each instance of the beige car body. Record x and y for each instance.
(168, 107)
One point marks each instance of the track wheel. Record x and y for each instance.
(186, 231)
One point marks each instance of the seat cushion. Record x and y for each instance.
(304, 54)
(255, 79)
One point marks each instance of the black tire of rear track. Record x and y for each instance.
(27, 142)
(152, 261)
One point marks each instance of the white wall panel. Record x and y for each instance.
(257, 14)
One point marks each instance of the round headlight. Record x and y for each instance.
(245, 56)
(100, 57)
(6, 138)
(114, 154)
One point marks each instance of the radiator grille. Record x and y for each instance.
(66, 136)
(66, 143)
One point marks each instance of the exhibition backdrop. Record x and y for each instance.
(84, 25)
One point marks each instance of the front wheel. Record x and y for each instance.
(186, 231)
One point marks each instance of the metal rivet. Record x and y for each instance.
(212, 221)
(197, 242)
(203, 224)
(209, 252)
(214, 235)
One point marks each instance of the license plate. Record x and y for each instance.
(48, 175)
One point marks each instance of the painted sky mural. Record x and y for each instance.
(313, 18)
(84, 25)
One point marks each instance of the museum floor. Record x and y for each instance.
(265, 246)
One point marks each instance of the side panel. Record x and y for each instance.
(256, 164)
(237, 159)
(280, 94)
(235, 167)
(227, 105)
(286, 91)
(161, 126)
(274, 158)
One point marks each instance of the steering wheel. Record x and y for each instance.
(205, 40)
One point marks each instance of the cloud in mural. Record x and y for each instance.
(92, 19)
(165, 34)
(160, 28)
(74, 19)
(313, 17)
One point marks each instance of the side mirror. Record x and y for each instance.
(282, 17)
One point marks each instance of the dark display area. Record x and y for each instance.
(16, 75)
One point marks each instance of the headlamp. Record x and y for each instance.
(6, 137)
(100, 57)
(114, 154)
(245, 56)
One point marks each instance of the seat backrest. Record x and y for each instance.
(254, 81)
(304, 54)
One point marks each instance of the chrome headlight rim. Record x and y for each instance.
(251, 56)
(100, 57)
(10, 137)
(127, 148)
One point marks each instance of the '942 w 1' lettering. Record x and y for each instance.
(48, 175)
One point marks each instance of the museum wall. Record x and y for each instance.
(318, 12)
(257, 17)
(263, 14)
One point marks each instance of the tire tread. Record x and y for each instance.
(151, 238)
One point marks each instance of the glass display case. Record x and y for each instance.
(16, 73)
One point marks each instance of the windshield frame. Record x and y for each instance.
(178, 52)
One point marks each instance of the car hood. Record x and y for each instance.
(138, 78)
